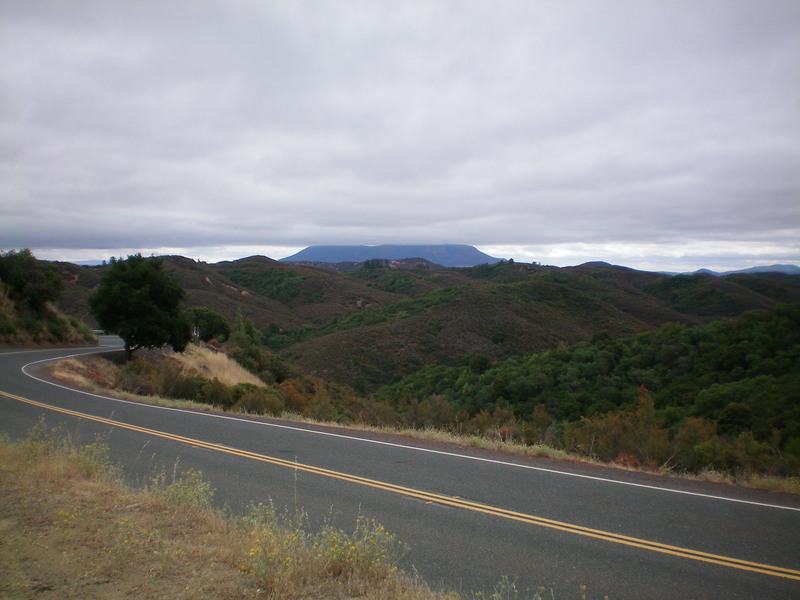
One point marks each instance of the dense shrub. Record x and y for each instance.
(215, 392)
(277, 284)
(208, 325)
(175, 383)
(31, 283)
(246, 349)
(261, 401)
(725, 394)
(8, 326)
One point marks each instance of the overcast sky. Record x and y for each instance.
(653, 134)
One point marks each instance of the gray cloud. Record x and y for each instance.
(539, 129)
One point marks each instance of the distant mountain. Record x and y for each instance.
(87, 263)
(446, 255)
(785, 269)
(788, 269)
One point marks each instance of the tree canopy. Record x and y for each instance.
(29, 281)
(139, 302)
(731, 383)
(208, 325)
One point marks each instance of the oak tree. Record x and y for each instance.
(141, 303)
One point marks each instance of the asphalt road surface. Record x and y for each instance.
(469, 517)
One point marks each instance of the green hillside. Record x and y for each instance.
(684, 372)
(499, 311)
(678, 365)
(314, 296)
(29, 289)
(376, 324)
(735, 378)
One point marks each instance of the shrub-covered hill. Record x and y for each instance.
(314, 296)
(499, 311)
(494, 320)
(20, 327)
(706, 296)
(265, 291)
(204, 286)
(675, 363)
(374, 324)
(28, 290)
(734, 377)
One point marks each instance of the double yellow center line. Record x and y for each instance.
(452, 501)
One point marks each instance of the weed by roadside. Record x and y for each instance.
(187, 488)
(286, 557)
(71, 528)
(56, 444)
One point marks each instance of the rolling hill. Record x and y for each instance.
(377, 323)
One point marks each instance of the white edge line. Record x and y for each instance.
(397, 445)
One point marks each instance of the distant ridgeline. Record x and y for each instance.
(446, 255)
(787, 269)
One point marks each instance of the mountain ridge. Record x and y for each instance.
(446, 255)
(406, 262)
(776, 268)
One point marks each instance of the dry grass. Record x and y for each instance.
(98, 375)
(774, 483)
(71, 533)
(492, 442)
(86, 372)
(70, 529)
(212, 364)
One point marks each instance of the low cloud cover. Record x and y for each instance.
(659, 135)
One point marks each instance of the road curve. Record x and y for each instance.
(468, 516)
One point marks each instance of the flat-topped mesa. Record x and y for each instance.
(446, 255)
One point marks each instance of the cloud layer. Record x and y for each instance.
(632, 131)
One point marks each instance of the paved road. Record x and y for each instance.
(469, 517)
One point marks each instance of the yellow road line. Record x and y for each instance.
(442, 499)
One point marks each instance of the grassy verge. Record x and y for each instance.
(71, 529)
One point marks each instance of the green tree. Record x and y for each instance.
(30, 282)
(140, 303)
(208, 324)
(246, 349)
